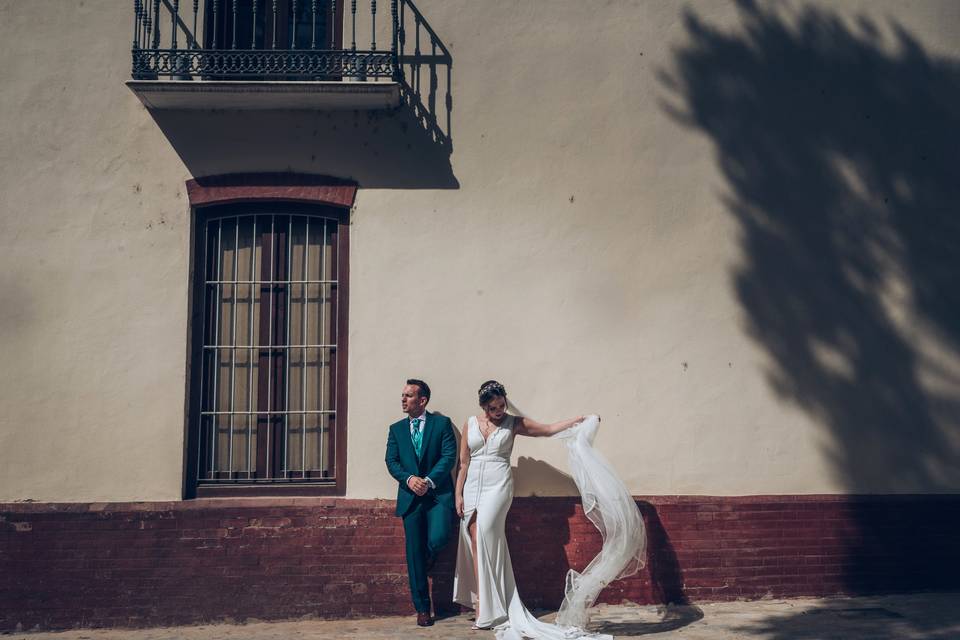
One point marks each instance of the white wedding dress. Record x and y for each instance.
(488, 493)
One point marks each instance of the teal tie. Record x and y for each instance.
(417, 435)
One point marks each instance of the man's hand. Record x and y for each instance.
(418, 485)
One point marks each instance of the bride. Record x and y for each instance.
(484, 578)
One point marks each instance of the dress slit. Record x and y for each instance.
(484, 580)
(486, 576)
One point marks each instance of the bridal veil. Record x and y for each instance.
(609, 506)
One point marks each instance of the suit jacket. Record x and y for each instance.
(438, 455)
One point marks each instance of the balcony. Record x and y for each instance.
(268, 54)
(317, 87)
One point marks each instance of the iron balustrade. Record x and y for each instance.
(265, 40)
(311, 40)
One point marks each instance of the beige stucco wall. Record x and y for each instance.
(587, 260)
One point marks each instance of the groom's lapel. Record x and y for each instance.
(427, 434)
(405, 443)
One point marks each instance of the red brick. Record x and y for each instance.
(183, 562)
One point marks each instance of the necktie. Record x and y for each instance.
(416, 434)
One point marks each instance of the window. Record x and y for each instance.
(267, 24)
(268, 367)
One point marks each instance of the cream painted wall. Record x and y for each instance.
(585, 260)
(94, 234)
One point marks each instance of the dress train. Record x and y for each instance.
(488, 493)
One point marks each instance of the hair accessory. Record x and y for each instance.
(492, 386)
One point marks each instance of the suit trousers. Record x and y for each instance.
(427, 527)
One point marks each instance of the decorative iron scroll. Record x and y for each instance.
(277, 63)
(279, 39)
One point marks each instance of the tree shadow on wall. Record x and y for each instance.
(838, 141)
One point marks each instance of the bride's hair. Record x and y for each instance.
(489, 390)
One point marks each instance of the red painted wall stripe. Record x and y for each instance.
(142, 564)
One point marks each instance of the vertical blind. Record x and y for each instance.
(268, 381)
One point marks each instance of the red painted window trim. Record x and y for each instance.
(315, 190)
(257, 187)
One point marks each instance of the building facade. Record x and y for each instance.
(232, 229)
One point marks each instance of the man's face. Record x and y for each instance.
(411, 400)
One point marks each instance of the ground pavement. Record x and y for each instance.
(934, 616)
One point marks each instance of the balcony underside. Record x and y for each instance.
(265, 95)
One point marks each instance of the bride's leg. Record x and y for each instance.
(472, 528)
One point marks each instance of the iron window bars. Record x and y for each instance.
(268, 384)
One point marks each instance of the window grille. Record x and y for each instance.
(268, 380)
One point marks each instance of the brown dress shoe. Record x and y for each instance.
(424, 620)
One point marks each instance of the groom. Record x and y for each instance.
(421, 451)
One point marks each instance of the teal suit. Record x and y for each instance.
(427, 519)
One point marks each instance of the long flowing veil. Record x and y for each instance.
(609, 506)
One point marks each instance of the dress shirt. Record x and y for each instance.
(422, 425)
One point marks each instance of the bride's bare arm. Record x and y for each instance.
(462, 472)
(535, 429)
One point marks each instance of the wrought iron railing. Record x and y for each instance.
(265, 39)
(426, 74)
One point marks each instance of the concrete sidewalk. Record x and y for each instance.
(934, 616)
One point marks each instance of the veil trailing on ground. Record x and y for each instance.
(609, 506)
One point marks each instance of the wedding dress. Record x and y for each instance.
(488, 493)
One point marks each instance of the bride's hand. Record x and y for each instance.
(459, 501)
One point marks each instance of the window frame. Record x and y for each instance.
(223, 202)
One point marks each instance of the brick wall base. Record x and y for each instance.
(145, 564)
